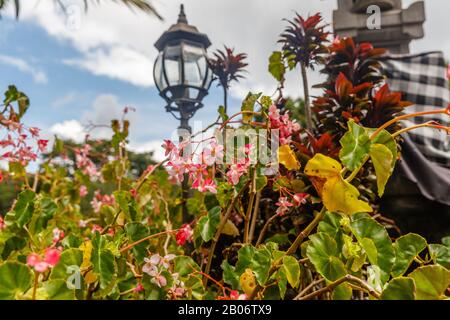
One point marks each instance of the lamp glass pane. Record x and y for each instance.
(172, 64)
(194, 65)
(158, 73)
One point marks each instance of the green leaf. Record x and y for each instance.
(261, 264)
(43, 213)
(331, 225)
(245, 257)
(368, 228)
(184, 265)
(24, 207)
(292, 270)
(276, 65)
(103, 261)
(323, 253)
(431, 282)
(355, 146)
(261, 182)
(382, 159)
(342, 292)
(70, 259)
(222, 113)
(15, 278)
(399, 289)
(248, 105)
(208, 224)
(385, 138)
(57, 290)
(137, 231)
(406, 248)
(281, 281)
(230, 276)
(14, 95)
(440, 254)
(446, 241)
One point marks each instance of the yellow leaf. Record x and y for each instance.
(248, 282)
(322, 167)
(340, 196)
(86, 247)
(230, 229)
(287, 158)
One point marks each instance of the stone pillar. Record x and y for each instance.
(397, 29)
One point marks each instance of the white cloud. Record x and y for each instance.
(64, 100)
(119, 63)
(70, 130)
(151, 146)
(38, 75)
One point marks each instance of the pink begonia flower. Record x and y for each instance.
(133, 193)
(95, 228)
(300, 198)
(42, 145)
(184, 234)
(213, 154)
(52, 256)
(33, 259)
(2, 222)
(205, 185)
(34, 131)
(57, 234)
(283, 205)
(169, 147)
(159, 280)
(236, 171)
(83, 191)
(165, 261)
(234, 295)
(82, 223)
(41, 266)
(139, 288)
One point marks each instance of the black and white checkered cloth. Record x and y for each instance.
(422, 78)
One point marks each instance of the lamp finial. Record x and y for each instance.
(182, 16)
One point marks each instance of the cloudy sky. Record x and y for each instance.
(82, 67)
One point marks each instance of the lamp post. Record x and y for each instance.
(181, 71)
(183, 78)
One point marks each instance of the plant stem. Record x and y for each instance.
(219, 231)
(35, 285)
(302, 235)
(309, 123)
(407, 116)
(128, 247)
(430, 124)
(225, 99)
(312, 284)
(264, 229)
(254, 217)
(346, 278)
(251, 202)
(355, 172)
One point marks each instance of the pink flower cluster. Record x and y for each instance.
(16, 143)
(58, 235)
(2, 223)
(42, 264)
(234, 295)
(84, 163)
(99, 200)
(155, 265)
(236, 170)
(179, 165)
(284, 203)
(282, 122)
(184, 234)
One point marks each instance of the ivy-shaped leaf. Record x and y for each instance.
(323, 253)
(69, 260)
(137, 231)
(355, 146)
(248, 105)
(406, 248)
(431, 282)
(15, 279)
(103, 262)
(276, 65)
(337, 194)
(440, 254)
(373, 236)
(382, 159)
(401, 288)
(24, 207)
(292, 270)
(208, 224)
(230, 276)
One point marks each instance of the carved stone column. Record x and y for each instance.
(397, 29)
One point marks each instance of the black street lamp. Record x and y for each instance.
(181, 71)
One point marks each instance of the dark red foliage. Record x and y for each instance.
(227, 66)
